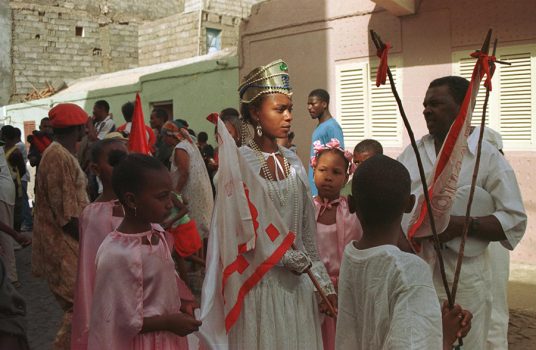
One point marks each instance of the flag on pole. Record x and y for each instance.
(247, 238)
(137, 140)
(442, 184)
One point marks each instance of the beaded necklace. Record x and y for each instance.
(273, 190)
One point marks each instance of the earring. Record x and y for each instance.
(259, 130)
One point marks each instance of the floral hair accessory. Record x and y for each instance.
(318, 148)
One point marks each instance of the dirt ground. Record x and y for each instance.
(522, 302)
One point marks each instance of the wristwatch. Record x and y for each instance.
(474, 226)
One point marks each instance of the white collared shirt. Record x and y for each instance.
(104, 127)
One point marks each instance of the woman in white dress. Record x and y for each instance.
(190, 176)
(281, 310)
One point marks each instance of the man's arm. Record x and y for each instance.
(487, 228)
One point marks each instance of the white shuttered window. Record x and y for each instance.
(512, 105)
(364, 110)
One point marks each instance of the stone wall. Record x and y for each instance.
(238, 8)
(65, 40)
(229, 26)
(168, 39)
(5, 53)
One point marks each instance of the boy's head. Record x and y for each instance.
(381, 192)
(366, 149)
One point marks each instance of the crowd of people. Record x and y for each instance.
(132, 244)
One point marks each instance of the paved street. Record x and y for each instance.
(44, 313)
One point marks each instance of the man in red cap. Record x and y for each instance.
(59, 200)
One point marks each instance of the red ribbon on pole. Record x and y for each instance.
(381, 75)
(137, 141)
(483, 60)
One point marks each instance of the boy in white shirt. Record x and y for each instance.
(387, 298)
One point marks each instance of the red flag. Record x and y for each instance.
(137, 141)
(381, 75)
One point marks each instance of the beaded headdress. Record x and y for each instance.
(270, 79)
(318, 148)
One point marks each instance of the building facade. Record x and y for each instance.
(327, 45)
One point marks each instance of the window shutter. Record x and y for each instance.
(465, 69)
(352, 98)
(515, 101)
(384, 115)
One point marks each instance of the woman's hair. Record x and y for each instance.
(98, 148)
(244, 108)
(130, 171)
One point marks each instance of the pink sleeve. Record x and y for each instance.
(117, 308)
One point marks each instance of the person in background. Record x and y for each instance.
(366, 149)
(102, 119)
(7, 207)
(128, 112)
(60, 198)
(163, 151)
(12, 315)
(327, 129)
(26, 211)
(17, 167)
(39, 140)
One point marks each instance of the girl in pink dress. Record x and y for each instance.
(96, 221)
(335, 225)
(136, 302)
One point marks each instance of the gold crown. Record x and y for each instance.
(270, 79)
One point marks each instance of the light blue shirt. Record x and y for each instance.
(324, 132)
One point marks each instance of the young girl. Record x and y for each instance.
(96, 221)
(335, 225)
(136, 303)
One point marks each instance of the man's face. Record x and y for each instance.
(99, 113)
(316, 107)
(156, 123)
(360, 157)
(440, 110)
(45, 127)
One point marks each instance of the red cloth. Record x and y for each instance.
(381, 75)
(67, 114)
(40, 141)
(149, 132)
(137, 141)
(186, 238)
(213, 118)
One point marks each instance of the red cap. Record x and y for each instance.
(67, 114)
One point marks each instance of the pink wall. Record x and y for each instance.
(314, 36)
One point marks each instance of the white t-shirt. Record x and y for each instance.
(387, 300)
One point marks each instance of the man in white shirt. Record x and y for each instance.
(497, 188)
(102, 118)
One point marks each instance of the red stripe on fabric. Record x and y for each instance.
(243, 247)
(234, 313)
(239, 265)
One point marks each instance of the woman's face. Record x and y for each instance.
(274, 115)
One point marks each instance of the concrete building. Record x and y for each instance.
(326, 44)
(45, 42)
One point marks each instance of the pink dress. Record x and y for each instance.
(331, 240)
(134, 279)
(95, 223)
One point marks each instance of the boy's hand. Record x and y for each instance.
(456, 323)
(182, 324)
(323, 307)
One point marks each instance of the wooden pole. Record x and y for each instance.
(380, 45)
(485, 48)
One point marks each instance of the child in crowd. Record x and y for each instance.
(363, 151)
(136, 302)
(387, 298)
(335, 225)
(96, 221)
